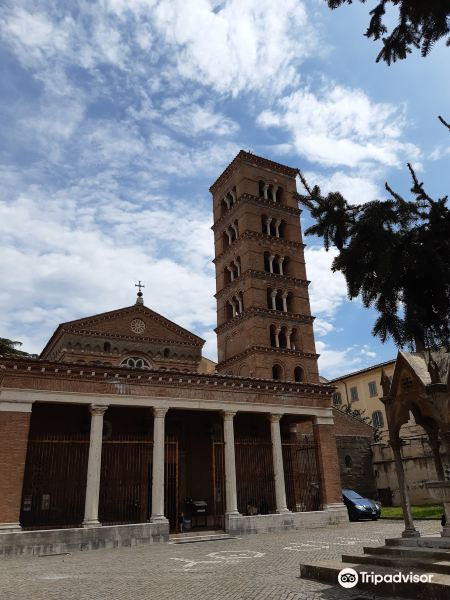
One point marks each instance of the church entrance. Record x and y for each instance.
(199, 496)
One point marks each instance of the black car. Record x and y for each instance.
(359, 507)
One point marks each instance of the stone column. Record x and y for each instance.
(238, 267)
(230, 241)
(410, 530)
(268, 222)
(278, 469)
(94, 466)
(271, 259)
(233, 306)
(235, 229)
(284, 296)
(233, 196)
(230, 465)
(277, 337)
(277, 227)
(159, 415)
(266, 187)
(227, 202)
(288, 339)
(231, 273)
(240, 304)
(14, 429)
(280, 264)
(274, 193)
(273, 295)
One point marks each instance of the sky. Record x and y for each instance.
(117, 115)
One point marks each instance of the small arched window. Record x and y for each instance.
(277, 372)
(298, 374)
(106, 347)
(348, 461)
(166, 352)
(377, 419)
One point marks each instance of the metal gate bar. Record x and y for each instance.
(124, 484)
(218, 483)
(55, 481)
(301, 476)
(254, 476)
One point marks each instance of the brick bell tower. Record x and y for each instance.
(264, 322)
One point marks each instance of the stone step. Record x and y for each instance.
(421, 542)
(192, 539)
(400, 563)
(327, 571)
(409, 551)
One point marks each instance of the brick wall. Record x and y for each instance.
(14, 428)
(328, 463)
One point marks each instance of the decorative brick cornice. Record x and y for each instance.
(130, 338)
(257, 161)
(255, 235)
(25, 373)
(273, 277)
(253, 312)
(258, 201)
(265, 350)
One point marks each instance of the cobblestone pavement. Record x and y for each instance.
(256, 567)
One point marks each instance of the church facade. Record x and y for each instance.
(118, 434)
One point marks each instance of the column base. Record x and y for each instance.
(93, 523)
(410, 533)
(444, 533)
(233, 513)
(283, 511)
(10, 527)
(158, 519)
(333, 506)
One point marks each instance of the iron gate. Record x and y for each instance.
(301, 476)
(55, 476)
(218, 483)
(254, 476)
(55, 481)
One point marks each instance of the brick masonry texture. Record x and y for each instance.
(13, 447)
(189, 572)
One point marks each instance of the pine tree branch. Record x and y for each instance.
(304, 182)
(444, 122)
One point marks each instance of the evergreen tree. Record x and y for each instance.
(395, 255)
(10, 347)
(421, 23)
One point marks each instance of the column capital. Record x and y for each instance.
(159, 412)
(228, 415)
(98, 410)
(274, 418)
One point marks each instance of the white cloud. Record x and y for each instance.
(356, 188)
(58, 269)
(335, 363)
(237, 45)
(342, 126)
(327, 290)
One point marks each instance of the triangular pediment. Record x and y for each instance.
(134, 323)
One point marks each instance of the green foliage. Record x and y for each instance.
(428, 511)
(395, 256)
(11, 347)
(421, 23)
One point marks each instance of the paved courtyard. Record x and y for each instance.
(258, 567)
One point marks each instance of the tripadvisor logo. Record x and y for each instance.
(348, 577)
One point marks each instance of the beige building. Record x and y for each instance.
(362, 391)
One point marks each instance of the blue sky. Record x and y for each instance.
(116, 116)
